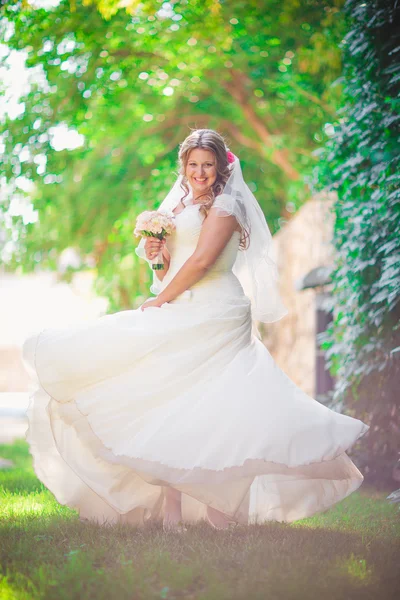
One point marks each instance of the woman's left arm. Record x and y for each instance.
(215, 233)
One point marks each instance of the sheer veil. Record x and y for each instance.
(254, 266)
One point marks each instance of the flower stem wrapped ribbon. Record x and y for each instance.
(153, 223)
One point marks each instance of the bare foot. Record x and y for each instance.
(173, 511)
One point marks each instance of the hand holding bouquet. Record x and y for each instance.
(152, 223)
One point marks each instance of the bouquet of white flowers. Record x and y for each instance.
(152, 223)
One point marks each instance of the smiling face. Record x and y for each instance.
(201, 170)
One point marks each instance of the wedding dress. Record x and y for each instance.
(185, 395)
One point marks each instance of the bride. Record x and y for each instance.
(176, 411)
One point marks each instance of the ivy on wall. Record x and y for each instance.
(361, 162)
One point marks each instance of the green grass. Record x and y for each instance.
(349, 552)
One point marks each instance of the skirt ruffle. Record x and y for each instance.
(181, 396)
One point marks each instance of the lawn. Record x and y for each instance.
(350, 552)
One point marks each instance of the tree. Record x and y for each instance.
(133, 84)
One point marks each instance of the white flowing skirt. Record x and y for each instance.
(183, 396)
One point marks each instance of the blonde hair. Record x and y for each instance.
(207, 139)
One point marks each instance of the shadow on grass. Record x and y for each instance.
(61, 558)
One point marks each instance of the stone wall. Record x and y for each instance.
(304, 243)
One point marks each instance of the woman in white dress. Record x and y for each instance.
(176, 411)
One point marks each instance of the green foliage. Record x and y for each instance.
(362, 163)
(133, 84)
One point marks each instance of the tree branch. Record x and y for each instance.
(312, 98)
(205, 121)
(236, 87)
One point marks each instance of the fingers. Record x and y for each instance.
(154, 243)
(153, 246)
(154, 240)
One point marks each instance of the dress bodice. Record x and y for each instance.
(182, 243)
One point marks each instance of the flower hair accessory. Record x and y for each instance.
(230, 156)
